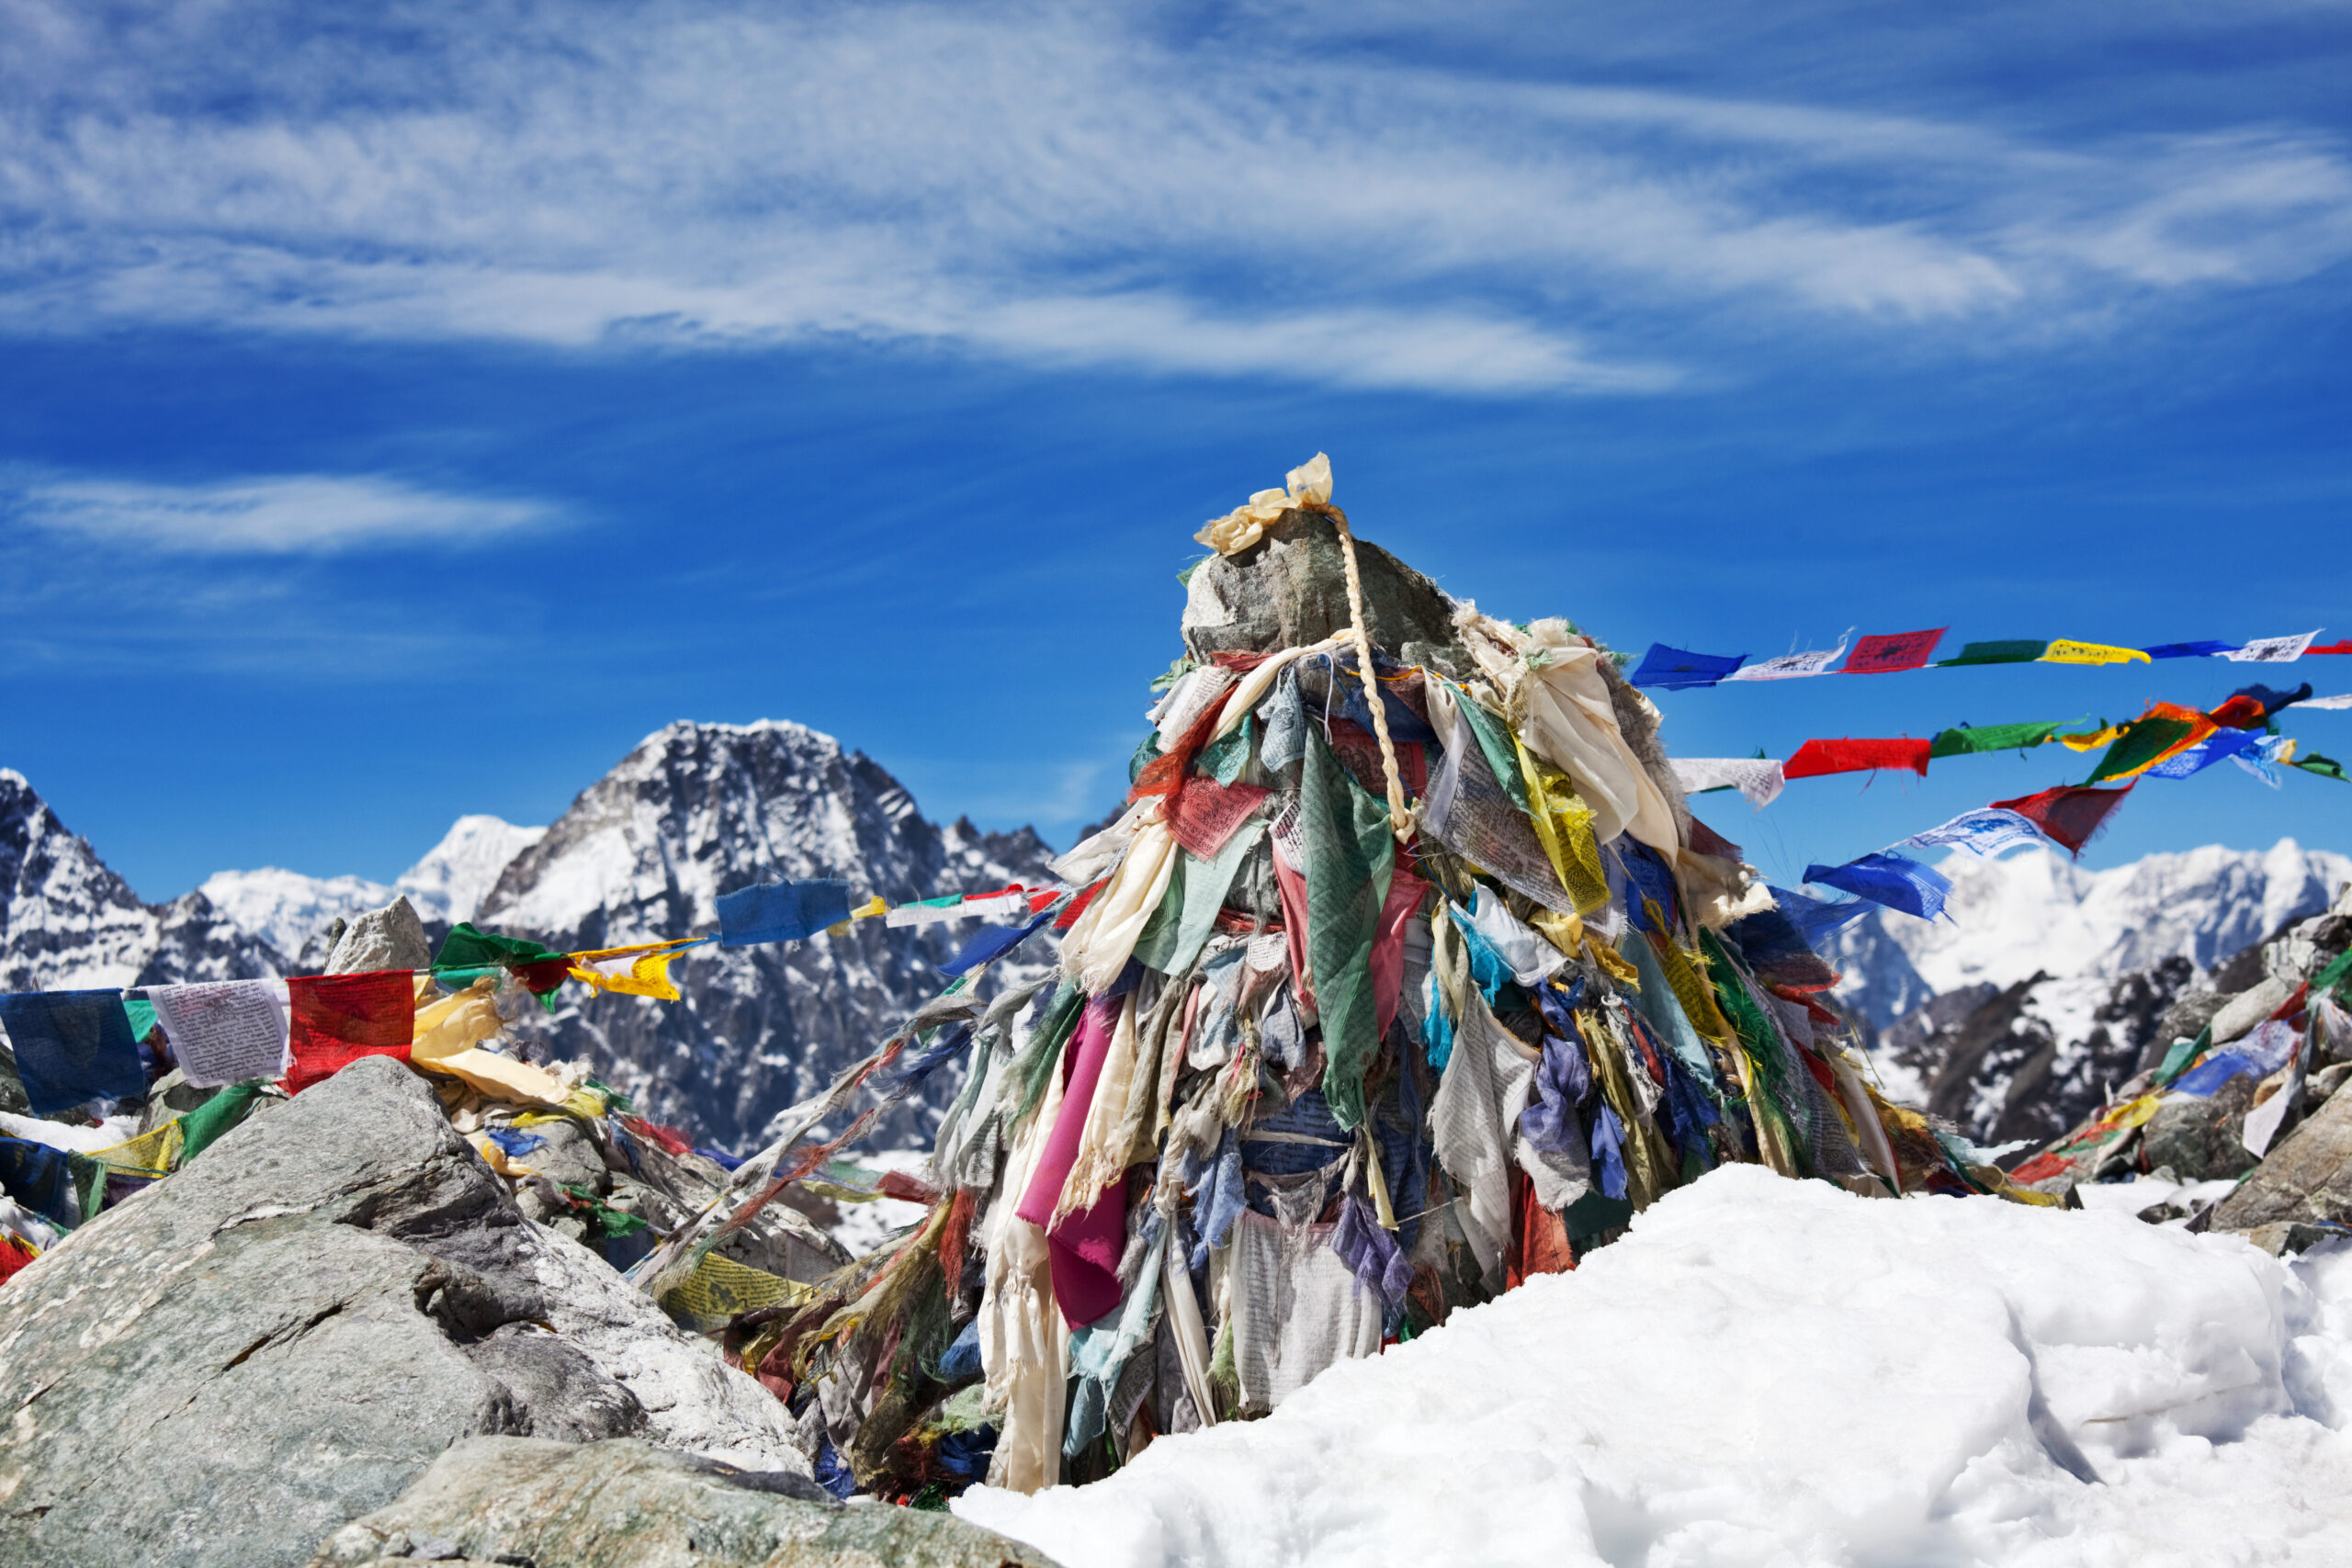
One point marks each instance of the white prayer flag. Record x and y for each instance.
(226, 1032)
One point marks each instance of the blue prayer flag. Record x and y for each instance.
(1816, 918)
(72, 1047)
(1889, 879)
(2190, 649)
(781, 911)
(1678, 668)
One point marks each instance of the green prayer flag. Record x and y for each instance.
(2325, 767)
(143, 1015)
(2143, 741)
(1993, 737)
(466, 948)
(203, 1126)
(1351, 856)
(1502, 754)
(2023, 651)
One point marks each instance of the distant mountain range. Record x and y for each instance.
(2046, 984)
(694, 811)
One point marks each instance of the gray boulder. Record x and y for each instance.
(2202, 1139)
(2236, 1018)
(235, 1362)
(390, 938)
(1291, 589)
(625, 1504)
(2307, 1178)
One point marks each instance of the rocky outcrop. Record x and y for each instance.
(390, 938)
(2307, 1178)
(1291, 589)
(625, 1505)
(231, 1364)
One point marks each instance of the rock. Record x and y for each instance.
(2283, 1237)
(2237, 1016)
(390, 938)
(2200, 1138)
(230, 1364)
(2185, 1019)
(172, 1097)
(623, 1504)
(2326, 1082)
(2308, 1176)
(1291, 589)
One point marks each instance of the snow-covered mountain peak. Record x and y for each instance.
(450, 880)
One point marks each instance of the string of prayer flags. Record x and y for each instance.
(2064, 651)
(1678, 669)
(1894, 652)
(1791, 666)
(1757, 779)
(1984, 833)
(73, 1047)
(223, 1033)
(2020, 650)
(337, 1019)
(2070, 815)
(781, 911)
(1816, 758)
(2166, 729)
(956, 906)
(995, 941)
(642, 971)
(1895, 881)
(1993, 737)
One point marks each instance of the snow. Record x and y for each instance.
(2037, 911)
(450, 882)
(286, 908)
(1775, 1373)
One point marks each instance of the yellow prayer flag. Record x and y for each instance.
(2065, 652)
(2104, 735)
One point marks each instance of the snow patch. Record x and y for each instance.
(1771, 1372)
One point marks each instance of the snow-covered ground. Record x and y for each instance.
(1773, 1373)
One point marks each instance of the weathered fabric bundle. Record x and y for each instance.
(1305, 1083)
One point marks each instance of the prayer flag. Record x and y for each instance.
(72, 1047)
(2204, 754)
(2266, 701)
(2165, 730)
(993, 943)
(2069, 814)
(639, 973)
(1815, 758)
(2340, 647)
(1758, 779)
(1894, 652)
(2341, 701)
(2325, 767)
(1789, 666)
(1985, 832)
(1993, 737)
(2191, 650)
(337, 1019)
(2273, 649)
(467, 948)
(1893, 880)
(141, 1013)
(2024, 650)
(2065, 652)
(41, 1179)
(1816, 918)
(1677, 669)
(2091, 739)
(231, 1032)
(781, 911)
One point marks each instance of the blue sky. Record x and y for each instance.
(401, 418)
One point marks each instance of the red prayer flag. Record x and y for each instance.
(2344, 647)
(337, 1019)
(1895, 651)
(1204, 814)
(2069, 814)
(1815, 758)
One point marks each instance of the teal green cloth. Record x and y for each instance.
(2019, 650)
(1197, 890)
(2181, 1054)
(1502, 754)
(1993, 737)
(1349, 857)
(466, 948)
(141, 1013)
(202, 1127)
(1223, 758)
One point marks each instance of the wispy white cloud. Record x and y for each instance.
(289, 514)
(1061, 186)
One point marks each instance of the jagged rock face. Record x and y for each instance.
(702, 809)
(68, 922)
(1291, 589)
(231, 1364)
(2308, 1177)
(623, 1505)
(2032, 1060)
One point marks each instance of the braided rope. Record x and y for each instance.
(1400, 821)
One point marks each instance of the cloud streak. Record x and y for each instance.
(1057, 189)
(289, 515)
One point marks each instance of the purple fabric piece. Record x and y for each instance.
(1609, 1148)
(1370, 1253)
(1562, 1079)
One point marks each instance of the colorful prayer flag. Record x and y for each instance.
(2023, 650)
(1895, 881)
(337, 1019)
(1758, 779)
(781, 911)
(1815, 758)
(2063, 651)
(2273, 649)
(2190, 649)
(1984, 833)
(2069, 814)
(1894, 652)
(2165, 730)
(1678, 669)
(1993, 737)
(72, 1047)
(2325, 767)
(230, 1031)
(1789, 666)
